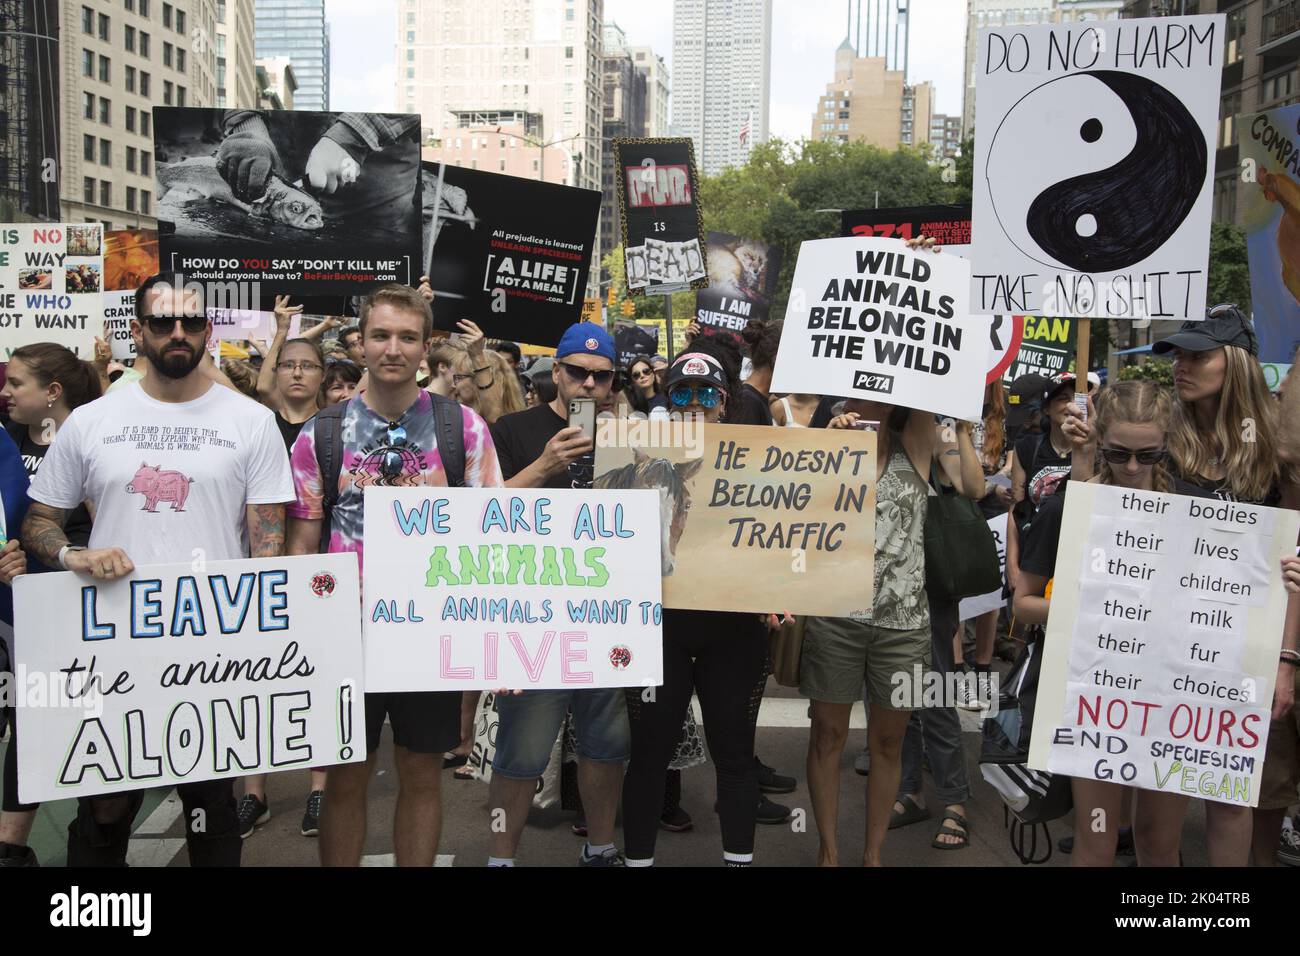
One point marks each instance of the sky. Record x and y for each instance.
(805, 34)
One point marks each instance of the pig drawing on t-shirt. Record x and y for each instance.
(157, 485)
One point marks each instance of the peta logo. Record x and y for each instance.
(103, 909)
(873, 382)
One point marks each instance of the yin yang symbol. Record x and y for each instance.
(1095, 171)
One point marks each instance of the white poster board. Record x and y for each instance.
(869, 318)
(51, 285)
(486, 588)
(1094, 167)
(180, 673)
(119, 310)
(972, 607)
(241, 324)
(1162, 642)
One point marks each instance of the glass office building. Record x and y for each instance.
(297, 29)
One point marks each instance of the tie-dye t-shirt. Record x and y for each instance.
(375, 454)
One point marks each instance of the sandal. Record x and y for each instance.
(464, 773)
(961, 831)
(450, 760)
(912, 812)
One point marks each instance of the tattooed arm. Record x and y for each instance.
(266, 530)
(43, 537)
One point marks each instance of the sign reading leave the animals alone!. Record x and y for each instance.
(179, 673)
(658, 198)
(871, 319)
(483, 588)
(753, 519)
(1162, 644)
(309, 203)
(51, 285)
(511, 254)
(1112, 221)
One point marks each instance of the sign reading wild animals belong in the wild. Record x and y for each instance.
(753, 519)
(871, 319)
(181, 673)
(1094, 166)
(51, 285)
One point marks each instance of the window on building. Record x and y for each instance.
(167, 54)
(144, 8)
(144, 162)
(1279, 87)
(1225, 198)
(1234, 36)
(128, 37)
(87, 63)
(410, 72)
(103, 27)
(144, 201)
(145, 119)
(130, 79)
(88, 190)
(1229, 107)
(105, 193)
(180, 59)
(180, 96)
(105, 111)
(410, 36)
(568, 53)
(105, 153)
(87, 20)
(130, 159)
(144, 87)
(88, 105)
(167, 92)
(167, 15)
(144, 44)
(130, 199)
(180, 21)
(88, 147)
(103, 69)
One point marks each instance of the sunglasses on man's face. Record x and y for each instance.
(578, 375)
(165, 324)
(1121, 456)
(706, 395)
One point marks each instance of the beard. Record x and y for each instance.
(169, 363)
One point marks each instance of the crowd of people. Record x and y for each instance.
(318, 417)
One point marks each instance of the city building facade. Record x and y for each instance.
(297, 29)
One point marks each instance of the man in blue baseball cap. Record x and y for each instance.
(537, 448)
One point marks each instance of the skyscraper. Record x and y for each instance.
(624, 117)
(236, 66)
(297, 29)
(722, 71)
(656, 89)
(870, 102)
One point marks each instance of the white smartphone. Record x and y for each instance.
(582, 412)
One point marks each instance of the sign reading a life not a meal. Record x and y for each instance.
(1094, 167)
(658, 199)
(51, 285)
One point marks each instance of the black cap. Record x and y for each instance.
(1025, 400)
(1223, 325)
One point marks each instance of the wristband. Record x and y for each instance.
(1288, 660)
(63, 554)
(1289, 656)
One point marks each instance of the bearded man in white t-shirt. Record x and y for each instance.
(176, 467)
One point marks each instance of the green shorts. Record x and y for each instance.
(840, 654)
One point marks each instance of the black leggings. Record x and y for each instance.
(9, 803)
(211, 827)
(722, 657)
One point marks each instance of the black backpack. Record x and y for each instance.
(449, 426)
(1031, 797)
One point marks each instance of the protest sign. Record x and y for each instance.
(754, 519)
(130, 257)
(871, 319)
(182, 673)
(243, 324)
(742, 280)
(591, 311)
(291, 233)
(631, 340)
(1270, 156)
(511, 254)
(51, 285)
(1162, 644)
(972, 607)
(481, 588)
(658, 200)
(1116, 225)
(119, 310)
(1046, 347)
(950, 225)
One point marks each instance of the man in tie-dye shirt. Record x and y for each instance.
(388, 438)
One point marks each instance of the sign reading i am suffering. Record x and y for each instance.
(1115, 224)
(483, 588)
(1163, 641)
(51, 285)
(178, 674)
(755, 519)
(870, 318)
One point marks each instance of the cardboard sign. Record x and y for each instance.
(754, 519)
(973, 607)
(182, 673)
(51, 285)
(743, 276)
(1270, 150)
(950, 225)
(482, 588)
(511, 254)
(1094, 167)
(1047, 345)
(658, 199)
(870, 318)
(296, 237)
(1162, 643)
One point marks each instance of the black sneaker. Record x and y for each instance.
(771, 813)
(11, 855)
(769, 781)
(252, 814)
(676, 821)
(311, 819)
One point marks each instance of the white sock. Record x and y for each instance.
(737, 859)
(591, 852)
(500, 861)
(646, 862)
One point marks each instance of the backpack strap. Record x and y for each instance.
(449, 425)
(327, 435)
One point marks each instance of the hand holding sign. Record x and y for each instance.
(103, 564)
(13, 562)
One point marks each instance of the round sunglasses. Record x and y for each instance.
(706, 395)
